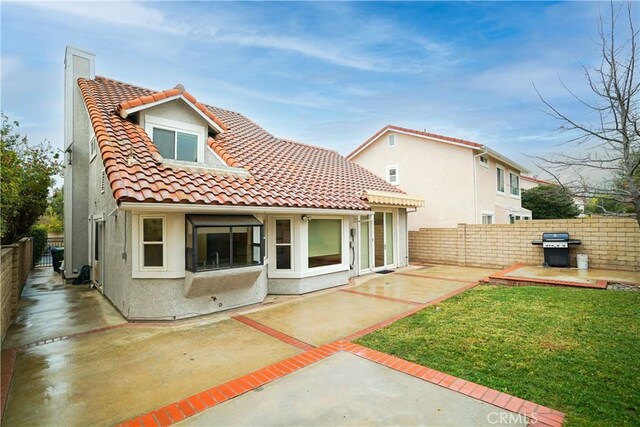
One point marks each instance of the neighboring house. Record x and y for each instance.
(529, 182)
(461, 181)
(182, 209)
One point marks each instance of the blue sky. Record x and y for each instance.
(325, 73)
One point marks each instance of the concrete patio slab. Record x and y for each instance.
(416, 289)
(591, 275)
(112, 376)
(325, 318)
(454, 272)
(346, 390)
(49, 308)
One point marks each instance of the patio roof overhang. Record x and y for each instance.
(388, 198)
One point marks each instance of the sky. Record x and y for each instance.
(324, 73)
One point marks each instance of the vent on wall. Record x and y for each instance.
(103, 178)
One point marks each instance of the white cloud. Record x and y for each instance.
(115, 12)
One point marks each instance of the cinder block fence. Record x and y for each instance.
(15, 264)
(611, 243)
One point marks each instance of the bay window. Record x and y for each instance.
(220, 242)
(325, 242)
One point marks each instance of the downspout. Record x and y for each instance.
(475, 184)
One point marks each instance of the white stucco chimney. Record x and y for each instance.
(77, 63)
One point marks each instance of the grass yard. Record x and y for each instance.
(574, 350)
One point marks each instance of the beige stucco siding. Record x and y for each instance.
(489, 199)
(440, 173)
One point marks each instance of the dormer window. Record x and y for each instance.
(178, 141)
(176, 145)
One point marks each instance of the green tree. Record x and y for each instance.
(549, 202)
(57, 202)
(26, 175)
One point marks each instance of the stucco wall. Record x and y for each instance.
(610, 243)
(489, 200)
(440, 173)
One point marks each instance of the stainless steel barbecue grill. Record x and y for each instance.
(556, 248)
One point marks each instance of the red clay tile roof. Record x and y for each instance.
(470, 144)
(282, 173)
(158, 96)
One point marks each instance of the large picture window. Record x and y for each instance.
(325, 242)
(219, 242)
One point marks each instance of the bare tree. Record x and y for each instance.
(610, 144)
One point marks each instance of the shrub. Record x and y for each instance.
(39, 234)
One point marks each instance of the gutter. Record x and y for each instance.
(191, 208)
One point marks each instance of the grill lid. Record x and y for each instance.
(555, 237)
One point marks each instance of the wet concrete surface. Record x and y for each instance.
(415, 289)
(453, 272)
(574, 275)
(112, 376)
(49, 308)
(325, 318)
(345, 390)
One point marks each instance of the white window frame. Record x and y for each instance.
(484, 161)
(152, 122)
(290, 244)
(515, 196)
(504, 174)
(397, 170)
(487, 214)
(142, 243)
(93, 148)
(391, 140)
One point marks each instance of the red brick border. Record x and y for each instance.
(273, 333)
(408, 313)
(502, 278)
(199, 402)
(539, 415)
(403, 301)
(8, 360)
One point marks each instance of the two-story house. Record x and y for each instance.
(461, 181)
(181, 208)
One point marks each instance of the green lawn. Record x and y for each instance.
(574, 350)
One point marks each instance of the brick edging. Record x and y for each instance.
(273, 332)
(403, 301)
(8, 360)
(408, 313)
(539, 415)
(178, 411)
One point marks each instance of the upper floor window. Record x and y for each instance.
(500, 180)
(176, 145)
(391, 140)
(176, 140)
(515, 184)
(392, 174)
(484, 161)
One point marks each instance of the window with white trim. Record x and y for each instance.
(514, 181)
(283, 244)
(93, 148)
(176, 145)
(487, 218)
(392, 174)
(325, 242)
(391, 140)
(484, 161)
(152, 242)
(500, 180)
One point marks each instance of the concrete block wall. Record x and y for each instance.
(610, 243)
(15, 264)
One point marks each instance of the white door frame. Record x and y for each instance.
(97, 226)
